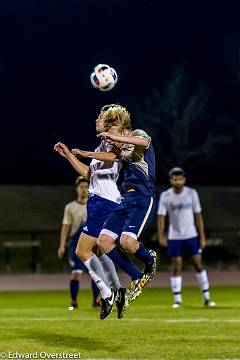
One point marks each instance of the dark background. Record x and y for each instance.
(179, 74)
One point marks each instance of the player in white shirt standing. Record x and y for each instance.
(186, 236)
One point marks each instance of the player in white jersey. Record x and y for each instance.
(104, 198)
(186, 236)
(75, 216)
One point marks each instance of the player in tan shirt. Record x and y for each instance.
(75, 216)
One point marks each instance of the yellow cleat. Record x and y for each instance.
(137, 286)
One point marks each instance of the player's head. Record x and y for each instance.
(81, 186)
(177, 178)
(100, 121)
(117, 117)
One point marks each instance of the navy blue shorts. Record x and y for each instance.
(98, 210)
(131, 217)
(77, 266)
(186, 247)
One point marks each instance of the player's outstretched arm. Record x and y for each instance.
(134, 140)
(102, 156)
(64, 151)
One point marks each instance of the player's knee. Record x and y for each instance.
(176, 268)
(129, 244)
(77, 252)
(81, 255)
(105, 243)
(197, 263)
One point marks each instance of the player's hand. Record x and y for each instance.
(203, 242)
(62, 149)
(61, 252)
(79, 153)
(163, 240)
(108, 136)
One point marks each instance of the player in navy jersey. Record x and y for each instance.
(137, 207)
(75, 216)
(182, 205)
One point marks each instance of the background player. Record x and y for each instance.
(75, 216)
(182, 205)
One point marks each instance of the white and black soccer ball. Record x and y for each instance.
(103, 77)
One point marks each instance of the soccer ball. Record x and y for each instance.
(103, 77)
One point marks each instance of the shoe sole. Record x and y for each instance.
(134, 296)
(107, 315)
(125, 305)
(154, 255)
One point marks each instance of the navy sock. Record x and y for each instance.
(74, 289)
(143, 254)
(95, 291)
(119, 258)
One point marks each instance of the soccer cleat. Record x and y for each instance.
(107, 305)
(209, 303)
(176, 305)
(150, 270)
(72, 307)
(122, 302)
(137, 286)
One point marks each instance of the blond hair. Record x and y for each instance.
(117, 116)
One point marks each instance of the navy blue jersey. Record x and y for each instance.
(138, 166)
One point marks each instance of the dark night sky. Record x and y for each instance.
(48, 49)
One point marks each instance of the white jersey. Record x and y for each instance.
(180, 208)
(103, 176)
(75, 215)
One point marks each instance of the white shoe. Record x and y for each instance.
(176, 305)
(209, 303)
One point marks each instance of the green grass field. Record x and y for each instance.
(38, 321)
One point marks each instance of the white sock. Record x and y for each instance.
(204, 284)
(110, 271)
(96, 272)
(176, 284)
